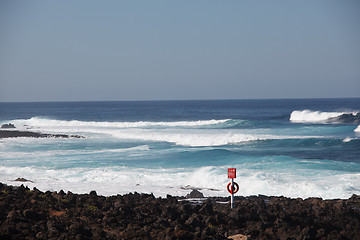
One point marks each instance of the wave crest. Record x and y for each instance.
(357, 129)
(324, 117)
(43, 122)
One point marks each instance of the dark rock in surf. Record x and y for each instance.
(8, 126)
(22, 180)
(15, 134)
(195, 194)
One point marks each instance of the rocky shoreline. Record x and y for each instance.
(16, 133)
(31, 214)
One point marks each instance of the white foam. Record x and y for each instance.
(315, 116)
(184, 137)
(357, 129)
(179, 133)
(43, 122)
(199, 137)
(348, 139)
(210, 180)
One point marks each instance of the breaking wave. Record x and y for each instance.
(201, 138)
(43, 122)
(308, 116)
(357, 129)
(210, 180)
(184, 133)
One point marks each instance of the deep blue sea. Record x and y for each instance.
(295, 148)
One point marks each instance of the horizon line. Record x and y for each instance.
(179, 100)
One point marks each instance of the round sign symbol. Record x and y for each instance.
(233, 189)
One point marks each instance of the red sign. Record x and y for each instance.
(231, 172)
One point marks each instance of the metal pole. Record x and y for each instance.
(232, 193)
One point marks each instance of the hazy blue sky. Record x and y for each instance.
(159, 50)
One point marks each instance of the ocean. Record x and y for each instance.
(289, 147)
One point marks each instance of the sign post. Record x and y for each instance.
(232, 194)
(234, 187)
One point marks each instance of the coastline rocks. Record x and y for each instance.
(22, 180)
(16, 133)
(8, 126)
(32, 214)
(195, 194)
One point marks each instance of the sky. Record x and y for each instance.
(88, 50)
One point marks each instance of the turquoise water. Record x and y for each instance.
(295, 148)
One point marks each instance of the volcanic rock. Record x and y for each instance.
(8, 126)
(15, 134)
(22, 180)
(32, 214)
(195, 194)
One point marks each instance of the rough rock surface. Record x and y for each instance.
(32, 214)
(14, 134)
(195, 194)
(10, 125)
(22, 180)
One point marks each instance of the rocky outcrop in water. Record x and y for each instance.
(15, 134)
(8, 126)
(32, 214)
(195, 194)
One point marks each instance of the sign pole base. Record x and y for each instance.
(232, 194)
(232, 190)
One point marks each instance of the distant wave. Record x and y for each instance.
(348, 139)
(324, 117)
(200, 138)
(184, 133)
(43, 122)
(357, 129)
